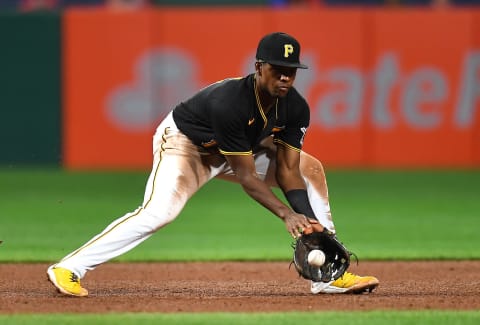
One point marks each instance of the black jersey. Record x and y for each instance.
(226, 116)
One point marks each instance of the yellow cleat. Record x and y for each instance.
(347, 283)
(66, 282)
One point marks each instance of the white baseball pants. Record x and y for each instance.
(179, 170)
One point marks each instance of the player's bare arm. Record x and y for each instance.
(290, 180)
(288, 169)
(244, 169)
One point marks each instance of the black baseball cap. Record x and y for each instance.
(280, 49)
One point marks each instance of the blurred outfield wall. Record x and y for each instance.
(387, 88)
(30, 88)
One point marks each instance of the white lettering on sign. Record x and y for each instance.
(385, 96)
(384, 78)
(342, 106)
(469, 91)
(424, 87)
(420, 96)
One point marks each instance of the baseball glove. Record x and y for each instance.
(337, 257)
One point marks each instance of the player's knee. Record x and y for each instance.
(312, 167)
(315, 168)
(158, 219)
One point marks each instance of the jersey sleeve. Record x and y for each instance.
(296, 125)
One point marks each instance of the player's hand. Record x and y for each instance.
(296, 224)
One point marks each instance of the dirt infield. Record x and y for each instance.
(239, 287)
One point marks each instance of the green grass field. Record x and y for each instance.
(331, 318)
(380, 215)
(46, 213)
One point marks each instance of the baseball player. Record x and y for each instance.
(248, 130)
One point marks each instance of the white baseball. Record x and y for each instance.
(316, 257)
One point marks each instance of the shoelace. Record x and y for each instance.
(74, 278)
(347, 275)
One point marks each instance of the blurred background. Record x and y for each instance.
(391, 84)
(23, 5)
(393, 88)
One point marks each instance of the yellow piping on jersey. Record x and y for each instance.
(232, 153)
(286, 145)
(259, 104)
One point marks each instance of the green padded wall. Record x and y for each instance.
(30, 88)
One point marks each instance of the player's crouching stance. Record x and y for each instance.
(248, 130)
